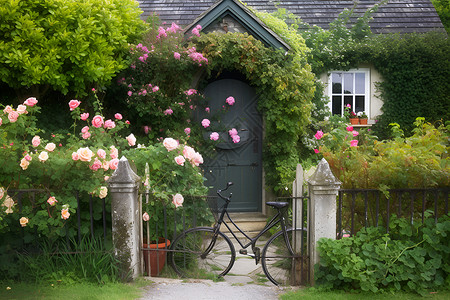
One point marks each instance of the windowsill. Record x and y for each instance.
(361, 125)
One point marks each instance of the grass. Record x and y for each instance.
(119, 291)
(312, 294)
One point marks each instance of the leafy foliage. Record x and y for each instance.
(411, 257)
(66, 45)
(443, 10)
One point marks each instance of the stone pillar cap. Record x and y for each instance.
(124, 173)
(323, 175)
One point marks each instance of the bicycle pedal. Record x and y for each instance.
(243, 251)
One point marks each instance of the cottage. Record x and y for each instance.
(243, 162)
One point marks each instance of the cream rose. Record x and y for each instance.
(50, 147)
(23, 221)
(103, 192)
(36, 141)
(170, 144)
(43, 156)
(131, 139)
(84, 154)
(24, 164)
(178, 200)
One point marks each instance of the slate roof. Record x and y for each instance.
(401, 16)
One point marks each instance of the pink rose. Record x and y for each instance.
(36, 141)
(236, 138)
(113, 163)
(75, 156)
(316, 151)
(85, 154)
(52, 201)
(145, 217)
(349, 128)
(205, 123)
(28, 157)
(96, 165)
(21, 109)
(197, 159)
(353, 143)
(74, 104)
(84, 116)
(207, 109)
(355, 133)
(230, 100)
(178, 200)
(130, 93)
(188, 152)
(232, 132)
(30, 101)
(170, 144)
(101, 153)
(180, 160)
(114, 153)
(1, 121)
(110, 124)
(176, 55)
(43, 156)
(85, 129)
(187, 130)
(50, 147)
(168, 111)
(65, 213)
(118, 116)
(318, 135)
(214, 136)
(131, 139)
(8, 109)
(86, 135)
(97, 121)
(12, 116)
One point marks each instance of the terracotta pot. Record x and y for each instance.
(354, 121)
(156, 258)
(363, 121)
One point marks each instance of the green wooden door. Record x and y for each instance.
(239, 162)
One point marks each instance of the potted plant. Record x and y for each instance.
(350, 115)
(362, 118)
(172, 182)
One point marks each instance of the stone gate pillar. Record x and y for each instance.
(123, 188)
(323, 188)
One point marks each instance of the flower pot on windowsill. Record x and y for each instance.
(354, 121)
(154, 257)
(363, 121)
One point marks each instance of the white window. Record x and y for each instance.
(349, 87)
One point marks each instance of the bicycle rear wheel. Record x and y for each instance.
(279, 263)
(190, 259)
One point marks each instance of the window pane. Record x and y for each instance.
(359, 104)
(336, 79)
(360, 83)
(348, 100)
(336, 105)
(348, 83)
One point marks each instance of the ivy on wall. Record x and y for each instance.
(285, 85)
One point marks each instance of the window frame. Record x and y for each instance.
(366, 72)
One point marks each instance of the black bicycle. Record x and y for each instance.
(206, 252)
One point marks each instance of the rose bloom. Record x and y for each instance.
(27, 157)
(118, 116)
(180, 160)
(316, 151)
(52, 201)
(13, 116)
(84, 154)
(97, 121)
(187, 130)
(214, 136)
(84, 116)
(43, 156)
(24, 164)
(1, 121)
(318, 135)
(176, 55)
(168, 111)
(131, 139)
(101, 153)
(188, 152)
(50, 147)
(230, 100)
(349, 128)
(96, 165)
(30, 101)
(103, 192)
(75, 156)
(21, 109)
(85, 129)
(155, 89)
(86, 135)
(113, 163)
(65, 213)
(110, 124)
(353, 143)
(145, 217)
(236, 138)
(205, 123)
(170, 144)
(178, 200)
(232, 132)
(36, 141)
(8, 109)
(355, 133)
(23, 221)
(114, 153)
(74, 104)
(197, 159)
(105, 165)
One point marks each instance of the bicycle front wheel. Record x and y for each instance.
(281, 261)
(195, 254)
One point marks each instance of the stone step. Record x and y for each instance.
(248, 222)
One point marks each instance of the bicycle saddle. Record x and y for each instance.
(277, 204)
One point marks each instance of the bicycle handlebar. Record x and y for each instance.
(228, 199)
